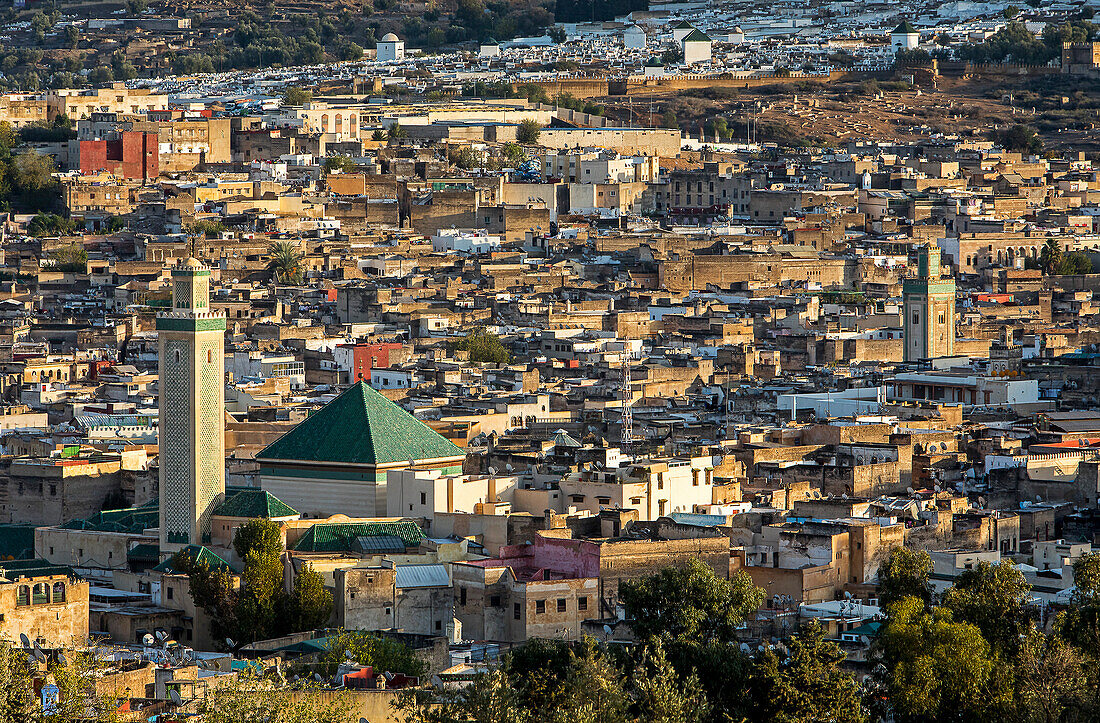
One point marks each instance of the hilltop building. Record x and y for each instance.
(390, 47)
(904, 37)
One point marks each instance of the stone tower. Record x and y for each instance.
(929, 302)
(192, 407)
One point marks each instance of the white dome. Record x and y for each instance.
(390, 38)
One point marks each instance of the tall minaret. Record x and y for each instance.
(192, 408)
(929, 304)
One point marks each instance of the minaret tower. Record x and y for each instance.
(191, 348)
(929, 304)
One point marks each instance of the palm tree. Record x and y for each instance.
(1051, 256)
(286, 261)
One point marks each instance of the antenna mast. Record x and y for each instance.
(628, 417)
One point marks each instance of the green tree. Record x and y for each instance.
(51, 224)
(70, 258)
(1021, 138)
(807, 685)
(295, 95)
(258, 535)
(341, 164)
(1074, 263)
(383, 654)
(205, 228)
(484, 346)
(72, 36)
(285, 261)
(691, 602)
(559, 681)
(33, 172)
(905, 574)
(1054, 681)
(487, 699)
(1050, 257)
(464, 157)
(994, 598)
(513, 153)
(661, 695)
(310, 603)
(936, 668)
(396, 133)
(528, 131)
(255, 700)
(136, 7)
(378, 135)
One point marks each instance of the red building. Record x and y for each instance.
(356, 360)
(134, 154)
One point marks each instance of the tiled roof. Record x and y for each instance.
(143, 553)
(253, 503)
(13, 569)
(696, 37)
(360, 427)
(341, 536)
(132, 520)
(202, 555)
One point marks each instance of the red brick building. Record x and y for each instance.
(133, 154)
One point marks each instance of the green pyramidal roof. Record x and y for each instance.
(360, 427)
(905, 28)
(696, 37)
(254, 503)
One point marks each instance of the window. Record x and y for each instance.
(438, 625)
(582, 603)
(462, 596)
(494, 601)
(561, 604)
(169, 593)
(540, 606)
(59, 592)
(916, 317)
(23, 597)
(423, 498)
(515, 611)
(40, 595)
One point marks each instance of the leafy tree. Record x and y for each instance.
(1073, 263)
(72, 36)
(905, 574)
(1086, 579)
(559, 681)
(487, 699)
(285, 261)
(70, 258)
(808, 685)
(254, 700)
(691, 602)
(513, 153)
(205, 228)
(383, 654)
(33, 172)
(994, 598)
(1021, 138)
(136, 7)
(342, 164)
(663, 696)
(936, 668)
(378, 135)
(484, 346)
(310, 604)
(1053, 681)
(528, 131)
(50, 224)
(464, 157)
(295, 95)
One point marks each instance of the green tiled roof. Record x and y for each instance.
(360, 427)
(905, 28)
(696, 37)
(131, 520)
(13, 569)
(203, 555)
(16, 542)
(253, 503)
(340, 536)
(144, 553)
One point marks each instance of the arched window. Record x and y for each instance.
(324, 123)
(176, 354)
(59, 592)
(23, 597)
(40, 595)
(339, 123)
(209, 356)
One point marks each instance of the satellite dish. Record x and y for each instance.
(174, 696)
(508, 468)
(147, 639)
(745, 647)
(348, 655)
(909, 490)
(161, 635)
(24, 640)
(607, 629)
(412, 462)
(61, 658)
(317, 677)
(492, 471)
(230, 643)
(847, 595)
